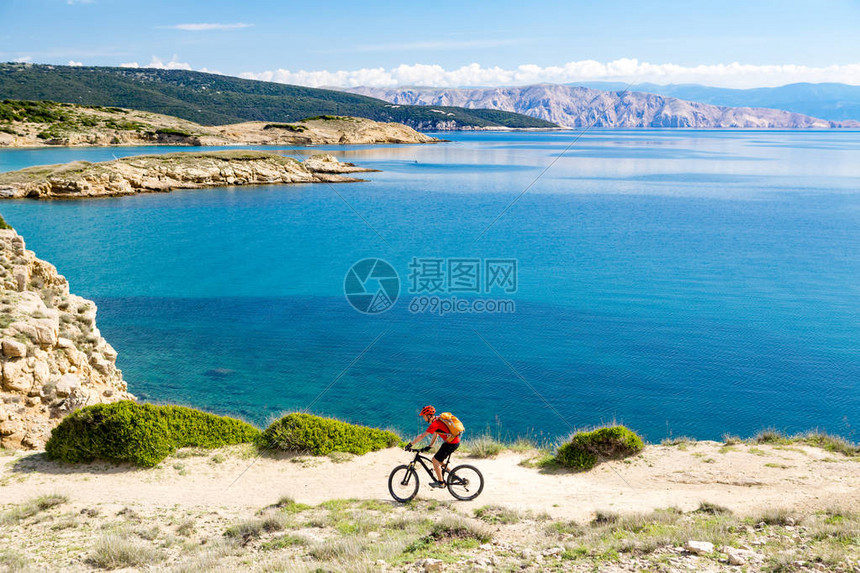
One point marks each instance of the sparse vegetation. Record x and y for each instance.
(31, 507)
(497, 514)
(173, 131)
(484, 447)
(117, 551)
(368, 535)
(823, 440)
(13, 562)
(255, 527)
(713, 509)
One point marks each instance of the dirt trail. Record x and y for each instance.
(742, 478)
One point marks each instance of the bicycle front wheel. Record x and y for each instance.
(465, 482)
(403, 483)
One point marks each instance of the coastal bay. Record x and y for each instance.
(698, 272)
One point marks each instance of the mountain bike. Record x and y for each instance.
(464, 482)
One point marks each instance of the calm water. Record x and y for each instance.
(692, 283)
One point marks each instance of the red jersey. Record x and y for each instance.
(439, 427)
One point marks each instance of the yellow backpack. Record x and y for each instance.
(455, 426)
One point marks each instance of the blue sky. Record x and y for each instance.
(471, 43)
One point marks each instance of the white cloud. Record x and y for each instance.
(75, 64)
(171, 65)
(207, 27)
(734, 75)
(160, 64)
(23, 59)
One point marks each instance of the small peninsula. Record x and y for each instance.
(52, 124)
(165, 172)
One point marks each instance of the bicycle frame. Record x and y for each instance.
(424, 460)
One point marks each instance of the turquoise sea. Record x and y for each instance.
(681, 282)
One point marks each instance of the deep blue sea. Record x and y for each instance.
(681, 282)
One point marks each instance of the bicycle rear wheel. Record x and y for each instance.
(403, 483)
(465, 482)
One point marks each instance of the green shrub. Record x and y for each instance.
(143, 434)
(4, 224)
(586, 449)
(328, 118)
(136, 126)
(320, 436)
(287, 126)
(172, 131)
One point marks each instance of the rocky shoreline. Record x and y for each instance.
(162, 173)
(53, 358)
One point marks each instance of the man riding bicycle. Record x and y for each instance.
(436, 429)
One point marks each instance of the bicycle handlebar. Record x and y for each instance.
(425, 449)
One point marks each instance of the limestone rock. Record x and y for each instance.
(430, 565)
(67, 384)
(14, 349)
(17, 376)
(53, 358)
(699, 547)
(165, 172)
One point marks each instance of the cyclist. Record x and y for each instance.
(436, 429)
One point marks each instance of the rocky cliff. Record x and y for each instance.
(53, 358)
(43, 123)
(154, 173)
(576, 107)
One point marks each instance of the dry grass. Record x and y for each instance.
(823, 440)
(776, 516)
(31, 507)
(13, 562)
(484, 447)
(498, 514)
(117, 551)
(253, 528)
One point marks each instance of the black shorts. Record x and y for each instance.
(445, 450)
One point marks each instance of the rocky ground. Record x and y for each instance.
(53, 356)
(692, 506)
(154, 173)
(56, 124)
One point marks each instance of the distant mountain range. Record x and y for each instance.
(835, 102)
(574, 106)
(212, 99)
